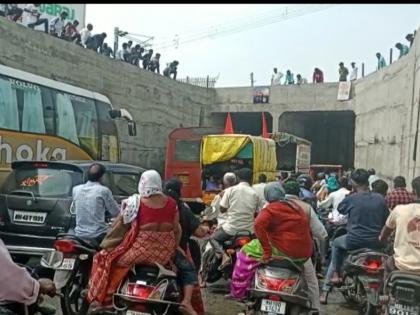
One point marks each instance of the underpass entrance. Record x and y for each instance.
(331, 134)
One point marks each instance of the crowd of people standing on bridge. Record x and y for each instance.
(61, 28)
(343, 71)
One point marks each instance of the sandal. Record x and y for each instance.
(323, 299)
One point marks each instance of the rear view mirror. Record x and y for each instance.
(132, 128)
(52, 260)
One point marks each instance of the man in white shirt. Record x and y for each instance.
(276, 78)
(85, 34)
(372, 177)
(259, 188)
(31, 17)
(57, 24)
(229, 180)
(333, 200)
(405, 221)
(241, 203)
(353, 74)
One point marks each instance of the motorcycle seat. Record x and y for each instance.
(406, 275)
(89, 243)
(284, 263)
(360, 251)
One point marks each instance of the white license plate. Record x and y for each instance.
(136, 313)
(29, 217)
(67, 264)
(273, 306)
(400, 309)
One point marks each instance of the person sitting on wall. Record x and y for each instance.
(172, 68)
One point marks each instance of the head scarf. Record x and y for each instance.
(332, 183)
(150, 184)
(274, 192)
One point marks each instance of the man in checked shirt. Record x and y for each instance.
(400, 195)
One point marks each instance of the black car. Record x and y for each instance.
(36, 198)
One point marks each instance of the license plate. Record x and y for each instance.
(29, 217)
(67, 264)
(136, 313)
(273, 306)
(400, 309)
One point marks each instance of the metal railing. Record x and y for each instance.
(206, 82)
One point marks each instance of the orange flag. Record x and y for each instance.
(265, 133)
(229, 125)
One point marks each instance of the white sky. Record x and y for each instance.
(320, 38)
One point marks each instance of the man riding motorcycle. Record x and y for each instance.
(241, 203)
(367, 213)
(17, 285)
(405, 221)
(305, 193)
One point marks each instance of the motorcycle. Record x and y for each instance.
(402, 293)
(72, 261)
(211, 261)
(362, 279)
(279, 288)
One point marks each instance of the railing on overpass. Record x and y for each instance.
(206, 82)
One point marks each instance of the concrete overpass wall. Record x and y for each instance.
(158, 104)
(387, 112)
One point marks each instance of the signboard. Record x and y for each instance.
(76, 11)
(344, 91)
(303, 158)
(261, 95)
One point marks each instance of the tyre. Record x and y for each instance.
(72, 302)
(210, 265)
(351, 294)
(298, 310)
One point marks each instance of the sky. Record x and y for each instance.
(232, 40)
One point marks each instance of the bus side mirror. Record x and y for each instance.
(132, 128)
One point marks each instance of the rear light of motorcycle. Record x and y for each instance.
(372, 266)
(65, 246)
(139, 290)
(274, 298)
(374, 285)
(242, 241)
(275, 284)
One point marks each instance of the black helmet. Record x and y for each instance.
(305, 181)
(320, 175)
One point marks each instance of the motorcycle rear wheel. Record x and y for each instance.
(71, 302)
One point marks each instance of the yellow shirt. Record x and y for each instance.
(406, 220)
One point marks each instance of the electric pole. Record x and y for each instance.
(252, 79)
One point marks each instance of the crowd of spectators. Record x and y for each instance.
(67, 30)
(343, 71)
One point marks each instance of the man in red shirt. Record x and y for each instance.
(318, 76)
(400, 195)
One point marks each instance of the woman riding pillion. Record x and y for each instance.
(282, 230)
(152, 236)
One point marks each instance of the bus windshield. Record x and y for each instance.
(33, 108)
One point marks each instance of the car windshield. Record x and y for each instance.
(123, 184)
(42, 182)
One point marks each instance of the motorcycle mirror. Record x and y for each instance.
(52, 260)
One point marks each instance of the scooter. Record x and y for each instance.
(402, 293)
(279, 288)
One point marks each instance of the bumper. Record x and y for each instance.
(31, 245)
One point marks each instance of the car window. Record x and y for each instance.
(124, 184)
(42, 182)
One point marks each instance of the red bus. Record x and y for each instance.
(183, 161)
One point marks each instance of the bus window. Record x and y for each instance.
(187, 150)
(108, 131)
(66, 124)
(32, 113)
(9, 118)
(86, 123)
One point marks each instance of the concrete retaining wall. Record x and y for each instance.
(158, 104)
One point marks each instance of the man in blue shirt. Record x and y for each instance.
(381, 61)
(92, 200)
(402, 48)
(367, 213)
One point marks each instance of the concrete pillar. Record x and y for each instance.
(276, 117)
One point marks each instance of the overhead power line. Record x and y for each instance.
(249, 24)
